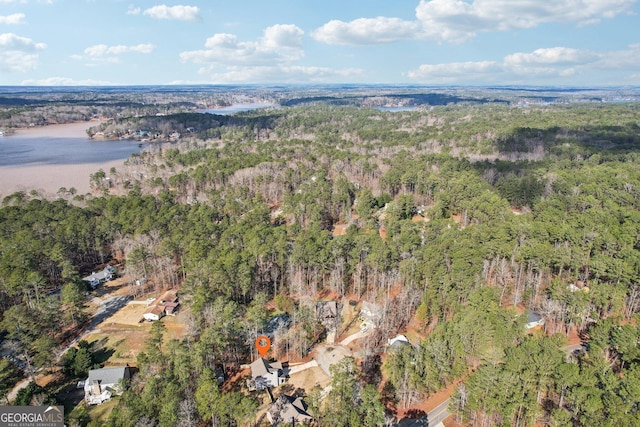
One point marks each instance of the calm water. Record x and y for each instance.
(396, 109)
(236, 108)
(19, 150)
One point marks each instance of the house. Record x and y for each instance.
(326, 312)
(104, 383)
(266, 374)
(168, 297)
(170, 308)
(534, 319)
(371, 315)
(153, 313)
(398, 339)
(167, 304)
(288, 410)
(95, 279)
(278, 323)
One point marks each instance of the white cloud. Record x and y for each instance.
(132, 10)
(366, 31)
(64, 81)
(271, 57)
(458, 20)
(283, 35)
(18, 54)
(179, 13)
(16, 18)
(279, 44)
(104, 53)
(554, 55)
(551, 65)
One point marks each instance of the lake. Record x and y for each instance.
(236, 108)
(396, 109)
(61, 145)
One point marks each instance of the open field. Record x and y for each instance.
(126, 335)
(130, 314)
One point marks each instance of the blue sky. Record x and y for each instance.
(432, 42)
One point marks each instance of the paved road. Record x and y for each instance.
(106, 308)
(437, 415)
(329, 355)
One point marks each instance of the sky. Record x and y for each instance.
(428, 42)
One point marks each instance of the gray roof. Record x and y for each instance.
(532, 316)
(371, 311)
(100, 275)
(288, 408)
(326, 309)
(261, 367)
(108, 375)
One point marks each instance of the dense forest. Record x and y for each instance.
(457, 219)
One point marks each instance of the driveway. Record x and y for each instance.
(348, 340)
(301, 367)
(327, 355)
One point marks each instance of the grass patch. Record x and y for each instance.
(100, 413)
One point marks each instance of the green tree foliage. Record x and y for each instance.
(246, 216)
(348, 403)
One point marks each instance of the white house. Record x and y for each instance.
(371, 315)
(96, 278)
(266, 374)
(153, 313)
(104, 383)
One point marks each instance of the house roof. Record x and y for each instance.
(288, 408)
(155, 309)
(371, 311)
(108, 375)
(398, 340)
(326, 309)
(532, 316)
(169, 296)
(100, 275)
(261, 367)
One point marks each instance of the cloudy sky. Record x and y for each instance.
(433, 42)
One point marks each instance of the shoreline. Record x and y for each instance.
(48, 179)
(64, 130)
